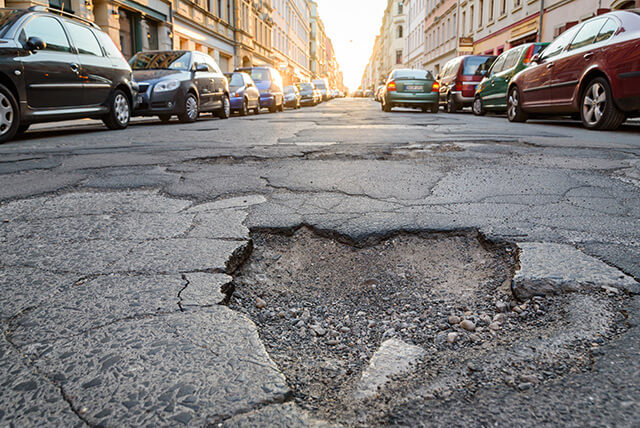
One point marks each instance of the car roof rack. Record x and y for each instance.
(40, 8)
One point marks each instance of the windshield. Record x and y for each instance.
(305, 86)
(7, 16)
(161, 61)
(289, 90)
(320, 84)
(260, 75)
(412, 75)
(235, 79)
(477, 65)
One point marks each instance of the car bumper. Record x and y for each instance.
(267, 100)
(293, 102)
(236, 102)
(412, 98)
(150, 103)
(461, 99)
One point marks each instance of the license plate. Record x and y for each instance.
(139, 99)
(414, 88)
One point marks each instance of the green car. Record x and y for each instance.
(412, 89)
(491, 94)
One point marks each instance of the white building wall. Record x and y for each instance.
(415, 13)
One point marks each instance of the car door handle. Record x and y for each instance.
(550, 65)
(588, 55)
(75, 67)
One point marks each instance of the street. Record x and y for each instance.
(333, 265)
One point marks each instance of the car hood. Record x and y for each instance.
(152, 76)
(236, 88)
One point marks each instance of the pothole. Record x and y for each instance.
(362, 331)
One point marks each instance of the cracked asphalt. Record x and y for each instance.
(118, 252)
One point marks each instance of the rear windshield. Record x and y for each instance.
(289, 90)
(320, 84)
(305, 87)
(235, 79)
(260, 75)
(412, 75)
(174, 60)
(477, 65)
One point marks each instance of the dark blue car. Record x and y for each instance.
(245, 96)
(269, 82)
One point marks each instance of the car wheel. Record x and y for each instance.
(281, 108)
(256, 111)
(164, 118)
(120, 112)
(190, 110)
(478, 108)
(514, 106)
(273, 107)
(225, 111)
(434, 108)
(9, 115)
(452, 105)
(22, 129)
(245, 108)
(598, 109)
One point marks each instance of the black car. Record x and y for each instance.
(183, 83)
(59, 67)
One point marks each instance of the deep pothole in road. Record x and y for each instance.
(375, 333)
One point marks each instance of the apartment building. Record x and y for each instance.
(254, 28)
(416, 14)
(291, 27)
(441, 34)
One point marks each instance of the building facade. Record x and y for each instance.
(254, 27)
(441, 33)
(291, 29)
(416, 14)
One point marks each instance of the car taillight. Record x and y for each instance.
(435, 87)
(391, 86)
(529, 55)
(458, 86)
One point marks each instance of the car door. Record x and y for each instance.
(253, 94)
(52, 74)
(536, 80)
(97, 70)
(570, 65)
(489, 91)
(500, 81)
(219, 83)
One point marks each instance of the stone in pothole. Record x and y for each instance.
(286, 415)
(547, 269)
(394, 357)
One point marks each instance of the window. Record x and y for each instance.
(608, 29)
(399, 31)
(503, 7)
(399, 8)
(84, 40)
(498, 66)
(480, 13)
(490, 10)
(109, 47)
(49, 30)
(398, 57)
(559, 44)
(512, 58)
(464, 18)
(471, 18)
(587, 34)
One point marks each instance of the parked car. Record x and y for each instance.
(292, 97)
(182, 83)
(491, 94)
(245, 96)
(592, 69)
(307, 96)
(317, 95)
(58, 67)
(459, 78)
(412, 89)
(269, 82)
(357, 94)
(322, 85)
(378, 93)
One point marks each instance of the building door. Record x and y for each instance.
(127, 44)
(152, 34)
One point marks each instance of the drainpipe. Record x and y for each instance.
(541, 21)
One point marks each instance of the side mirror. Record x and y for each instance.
(202, 67)
(535, 59)
(249, 85)
(36, 43)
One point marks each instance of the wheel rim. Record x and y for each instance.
(122, 109)
(227, 107)
(6, 114)
(595, 101)
(477, 106)
(513, 104)
(192, 107)
(245, 107)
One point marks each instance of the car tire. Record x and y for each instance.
(434, 108)
(386, 107)
(225, 111)
(452, 105)
(256, 110)
(244, 111)
(119, 112)
(22, 129)
(281, 108)
(164, 118)
(10, 118)
(597, 108)
(477, 107)
(190, 109)
(514, 106)
(273, 107)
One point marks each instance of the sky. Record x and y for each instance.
(352, 26)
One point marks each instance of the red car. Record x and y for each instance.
(459, 79)
(592, 69)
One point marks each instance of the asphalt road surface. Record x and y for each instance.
(195, 274)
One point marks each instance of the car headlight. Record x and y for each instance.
(166, 85)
